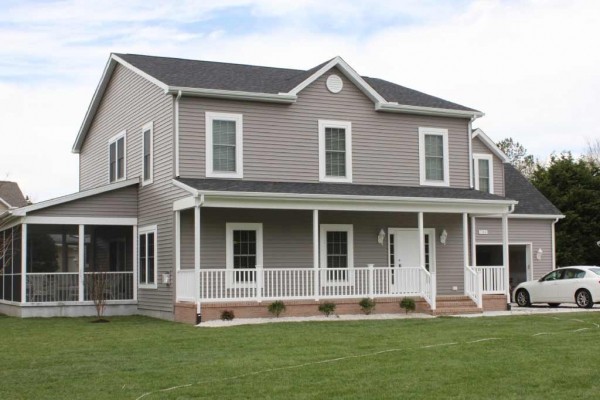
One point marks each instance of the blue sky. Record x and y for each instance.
(531, 66)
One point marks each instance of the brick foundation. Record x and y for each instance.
(494, 302)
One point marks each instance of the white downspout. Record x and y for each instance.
(470, 132)
(554, 243)
(177, 133)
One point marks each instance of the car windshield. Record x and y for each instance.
(595, 270)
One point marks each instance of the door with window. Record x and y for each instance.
(404, 253)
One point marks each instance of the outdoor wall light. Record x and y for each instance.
(381, 236)
(166, 278)
(539, 253)
(443, 237)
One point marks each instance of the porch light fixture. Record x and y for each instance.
(443, 237)
(166, 278)
(381, 236)
(539, 253)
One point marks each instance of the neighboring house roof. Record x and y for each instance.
(267, 84)
(489, 143)
(11, 195)
(341, 189)
(531, 200)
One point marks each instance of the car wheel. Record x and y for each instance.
(523, 298)
(583, 298)
(554, 305)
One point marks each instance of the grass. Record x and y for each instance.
(73, 358)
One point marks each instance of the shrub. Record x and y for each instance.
(408, 304)
(327, 308)
(367, 305)
(276, 308)
(227, 315)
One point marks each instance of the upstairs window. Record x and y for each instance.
(224, 147)
(147, 155)
(116, 155)
(434, 157)
(483, 172)
(335, 151)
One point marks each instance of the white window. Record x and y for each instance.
(434, 157)
(147, 153)
(484, 172)
(244, 247)
(337, 253)
(147, 260)
(224, 145)
(335, 151)
(116, 157)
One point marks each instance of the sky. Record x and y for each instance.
(533, 67)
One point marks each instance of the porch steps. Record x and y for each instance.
(453, 305)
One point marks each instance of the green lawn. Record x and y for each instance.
(408, 359)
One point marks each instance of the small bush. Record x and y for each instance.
(367, 305)
(227, 315)
(408, 304)
(327, 308)
(276, 308)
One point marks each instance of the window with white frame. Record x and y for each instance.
(337, 251)
(483, 168)
(147, 153)
(224, 145)
(244, 247)
(335, 151)
(434, 157)
(147, 260)
(116, 157)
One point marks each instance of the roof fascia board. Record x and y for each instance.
(141, 73)
(525, 216)
(441, 112)
(489, 143)
(233, 94)
(75, 196)
(5, 203)
(348, 71)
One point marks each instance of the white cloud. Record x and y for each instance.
(530, 65)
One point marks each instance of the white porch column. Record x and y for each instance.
(23, 263)
(197, 255)
(473, 242)
(465, 233)
(421, 240)
(81, 256)
(316, 253)
(177, 241)
(505, 256)
(135, 262)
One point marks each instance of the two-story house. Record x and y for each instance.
(207, 186)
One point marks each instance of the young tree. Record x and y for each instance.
(5, 249)
(593, 150)
(517, 154)
(573, 185)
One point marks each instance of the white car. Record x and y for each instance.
(577, 284)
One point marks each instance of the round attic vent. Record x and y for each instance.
(334, 83)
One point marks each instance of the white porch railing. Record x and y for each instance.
(257, 284)
(473, 285)
(493, 279)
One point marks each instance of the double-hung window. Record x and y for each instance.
(335, 151)
(147, 265)
(434, 157)
(147, 153)
(337, 252)
(483, 168)
(116, 157)
(224, 145)
(244, 242)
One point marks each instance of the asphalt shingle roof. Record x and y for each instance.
(531, 201)
(11, 193)
(251, 78)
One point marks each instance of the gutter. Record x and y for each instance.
(233, 94)
(442, 112)
(177, 133)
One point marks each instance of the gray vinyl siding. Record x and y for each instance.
(538, 232)
(117, 203)
(281, 141)
(479, 147)
(287, 239)
(128, 104)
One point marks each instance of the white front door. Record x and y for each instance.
(404, 253)
(406, 248)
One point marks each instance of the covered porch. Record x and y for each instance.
(246, 247)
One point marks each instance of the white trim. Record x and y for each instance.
(554, 244)
(144, 231)
(80, 220)
(489, 143)
(135, 262)
(348, 71)
(176, 110)
(23, 263)
(524, 216)
(420, 110)
(232, 94)
(75, 196)
(347, 126)
(115, 139)
(475, 162)
(148, 127)
(432, 245)
(423, 131)
(323, 229)
(473, 241)
(139, 72)
(248, 226)
(470, 145)
(528, 253)
(239, 144)
(5, 203)
(81, 266)
(177, 240)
